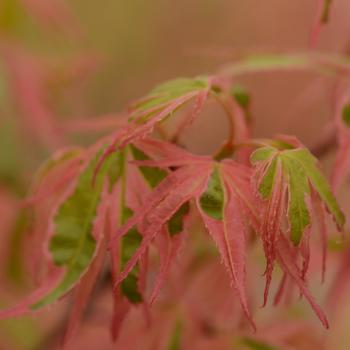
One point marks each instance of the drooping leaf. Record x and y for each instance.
(305, 159)
(272, 214)
(298, 211)
(288, 264)
(174, 191)
(87, 283)
(203, 181)
(300, 172)
(72, 245)
(157, 215)
(229, 229)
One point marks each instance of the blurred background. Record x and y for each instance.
(64, 65)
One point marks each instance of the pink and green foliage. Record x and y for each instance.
(288, 181)
(130, 193)
(173, 235)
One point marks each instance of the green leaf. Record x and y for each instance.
(346, 115)
(267, 182)
(298, 213)
(261, 154)
(129, 244)
(166, 93)
(152, 175)
(212, 200)
(72, 245)
(305, 159)
(175, 224)
(299, 170)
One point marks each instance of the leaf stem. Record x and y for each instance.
(228, 147)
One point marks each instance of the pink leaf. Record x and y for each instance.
(168, 250)
(173, 180)
(157, 216)
(272, 218)
(229, 236)
(286, 260)
(190, 118)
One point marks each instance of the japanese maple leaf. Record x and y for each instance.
(288, 180)
(162, 102)
(222, 195)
